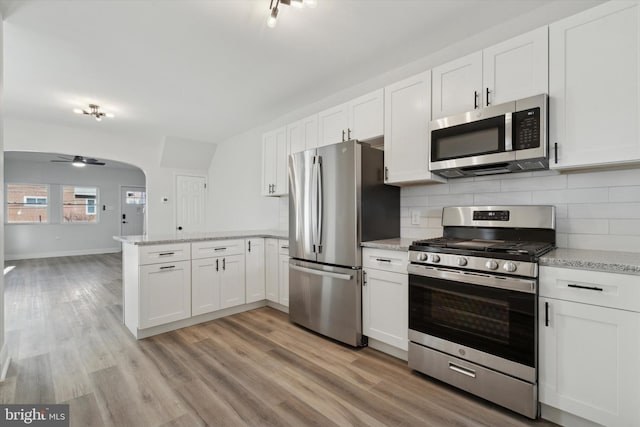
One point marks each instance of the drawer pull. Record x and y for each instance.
(220, 249)
(462, 370)
(166, 253)
(590, 288)
(167, 267)
(284, 247)
(383, 260)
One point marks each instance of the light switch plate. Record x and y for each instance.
(415, 217)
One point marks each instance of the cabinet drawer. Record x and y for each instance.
(386, 260)
(213, 248)
(155, 254)
(283, 247)
(591, 287)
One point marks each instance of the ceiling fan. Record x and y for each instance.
(79, 161)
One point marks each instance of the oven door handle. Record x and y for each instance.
(500, 282)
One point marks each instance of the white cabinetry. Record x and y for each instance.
(218, 280)
(385, 298)
(164, 286)
(303, 134)
(283, 272)
(271, 265)
(589, 344)
(516, 68)
(274, 162)
(407, 106)
(594, 87)
(360, 118)
(255, 270)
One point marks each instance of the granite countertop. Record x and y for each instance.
(198, 237)
(397, 244)
(607, 261)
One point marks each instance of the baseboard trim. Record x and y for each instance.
(277, 306)
(563, 418)
(16, 257)
(5, 361)
(388, 349)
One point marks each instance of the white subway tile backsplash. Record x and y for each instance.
(624, 227)
(515, 198)
(605, 211)
(410, 202)
(582, 226)
(474, 187)
(562, 240)
(608, 242)
(625, 194)
(550, 182)
(615, 178)
(580, 195)
(451, 200)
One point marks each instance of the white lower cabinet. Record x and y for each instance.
(385, 297)
(271, 264)
(165, 293)
(589, 346)
(205, 285)
(255, 270)
(283, 280)
(232, 283)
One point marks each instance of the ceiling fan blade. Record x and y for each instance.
(96, 163)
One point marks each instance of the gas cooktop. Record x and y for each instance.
(481, 247)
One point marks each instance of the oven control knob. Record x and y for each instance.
(462, 261)
(510, 267)
(422, 257)
(491, 265)
(435, 258)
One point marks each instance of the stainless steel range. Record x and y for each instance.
(473, 301)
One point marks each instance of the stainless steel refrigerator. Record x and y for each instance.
(337, 199)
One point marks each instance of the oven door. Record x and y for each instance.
(487, 319)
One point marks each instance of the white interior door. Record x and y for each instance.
(133, 202)
(190, 202)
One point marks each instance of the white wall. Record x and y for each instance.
(4, 351)
(235, 180)
(237, 202)
(143, 151)
(55, 238)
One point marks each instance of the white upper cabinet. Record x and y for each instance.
(457, 86)
(303, 134)
(407, 108)
(274, 166)
(514, 69)
(361, 118)
(594, 89)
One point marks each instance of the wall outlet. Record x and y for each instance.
(415, 217)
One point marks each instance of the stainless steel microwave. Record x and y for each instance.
(510, 137)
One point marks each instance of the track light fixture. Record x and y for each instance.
(275, 4)
(94, 110)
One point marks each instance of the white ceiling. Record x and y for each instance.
(208, 70)
(47, 157)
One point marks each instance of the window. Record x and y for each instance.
(136, 198)
(27, 203)
(79, 204)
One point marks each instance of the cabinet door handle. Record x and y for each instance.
(475, 99)
(217, 265)
(166, 253)
(348, 134)
(342, 135)
(386, 173)
(487, 97)
(555, 150)
(224, 264)
(383, 260)
(364, 278)
(546, 314)
(249, 245)
(167, 267)
(589, 288)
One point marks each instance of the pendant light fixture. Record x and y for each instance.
(274, 8)
(94, 110)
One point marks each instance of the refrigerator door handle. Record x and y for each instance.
(322, 273)
(314, 204)
(320, 204)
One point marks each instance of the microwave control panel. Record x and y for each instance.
(526, 129)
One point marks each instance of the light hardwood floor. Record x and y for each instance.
(68, 344)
